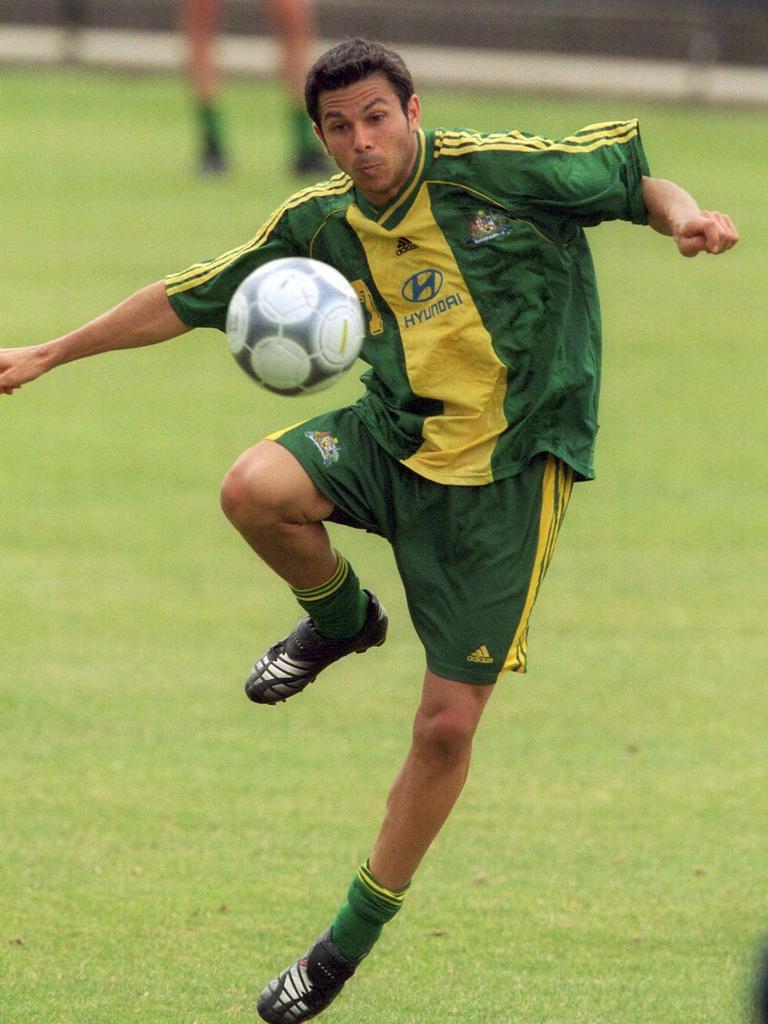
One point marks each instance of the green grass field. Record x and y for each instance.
(165, 844)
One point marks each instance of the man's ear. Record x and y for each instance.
(413, 113)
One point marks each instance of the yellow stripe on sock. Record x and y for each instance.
(330, 587)
(394, 897)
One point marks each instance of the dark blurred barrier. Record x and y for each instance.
(707, 31)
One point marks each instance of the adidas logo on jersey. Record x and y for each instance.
(482, 656)
(404, 245)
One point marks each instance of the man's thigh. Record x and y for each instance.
(347, 466)
(472, 560)
(276, 479)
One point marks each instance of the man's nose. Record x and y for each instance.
(361, 138)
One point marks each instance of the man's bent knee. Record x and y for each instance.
(268, 484)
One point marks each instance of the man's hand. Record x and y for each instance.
(19, 366)
(708, 231)
(144, 318)
(671, 211)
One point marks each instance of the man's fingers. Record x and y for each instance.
(692, 245)
(729, 236)
(710, 232)
(713, 235)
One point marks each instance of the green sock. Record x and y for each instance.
(304, 140)
(362, 917)
(211, 126)
(339, 607)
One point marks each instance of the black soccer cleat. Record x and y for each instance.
(309, 985)
(297, 660)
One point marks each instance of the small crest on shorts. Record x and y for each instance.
(326, 444)
(481, 656)
(487, 224)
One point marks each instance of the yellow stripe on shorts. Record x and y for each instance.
(556, 487)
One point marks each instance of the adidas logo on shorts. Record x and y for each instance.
(481, 656)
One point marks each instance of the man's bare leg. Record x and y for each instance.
(431, 779)
(420, 800)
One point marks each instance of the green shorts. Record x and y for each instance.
(471, 559)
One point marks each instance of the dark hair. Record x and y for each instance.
(348, 63)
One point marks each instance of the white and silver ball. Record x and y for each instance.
(295, 325)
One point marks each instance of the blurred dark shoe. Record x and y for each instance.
(311, 162)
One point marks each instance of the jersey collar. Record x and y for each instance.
(389, 216)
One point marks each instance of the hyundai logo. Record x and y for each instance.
(423, 286)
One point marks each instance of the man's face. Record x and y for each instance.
(368, 135)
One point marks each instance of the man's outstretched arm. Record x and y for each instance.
(145, 318)
(671, 211)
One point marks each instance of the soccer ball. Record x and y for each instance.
(295, 325)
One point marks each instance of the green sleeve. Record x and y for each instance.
(592, 176)
(596, 174)
(200, 294)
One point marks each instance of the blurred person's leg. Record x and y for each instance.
(294, 25)
(200, 24)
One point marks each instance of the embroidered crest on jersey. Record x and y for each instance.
(326, 444)
(404, 245)
(487, 224)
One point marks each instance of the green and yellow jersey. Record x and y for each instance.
(483, 339)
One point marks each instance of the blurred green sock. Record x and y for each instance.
(211, 125)
(304, 142)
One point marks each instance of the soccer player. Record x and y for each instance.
(293, 22)
(468, 251)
